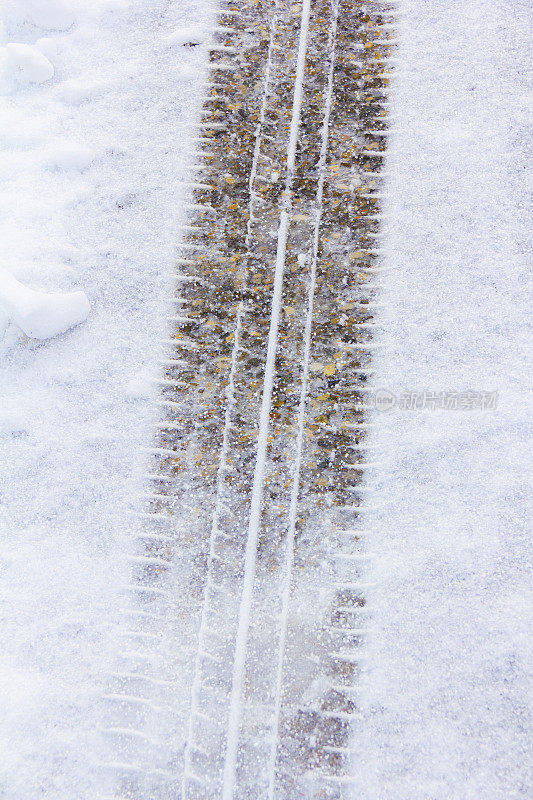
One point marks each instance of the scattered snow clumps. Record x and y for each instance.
(26, 63)
(38, 314)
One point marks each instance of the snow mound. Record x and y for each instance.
(48, 47)
(183, 36)
(69, 156)
(38, 314)
(26, 64)
(50, 14)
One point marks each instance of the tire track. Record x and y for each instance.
(250, 568)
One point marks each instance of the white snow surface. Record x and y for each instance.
(446, 672)
(92, 152)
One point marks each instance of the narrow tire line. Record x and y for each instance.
(293, 509)
(214, 528)
(225, 442)
(235, 710)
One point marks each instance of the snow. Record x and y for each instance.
(48, 47)
(52, 14)
(69, 156)
(77, 91)
(186, 36)
(38, 314)
(445, 686)
(26, 63)
(91, 164)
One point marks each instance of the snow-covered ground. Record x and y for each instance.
(97, 100)
(446, 685)
(95, 108)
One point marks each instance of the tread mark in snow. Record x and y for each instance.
(249, 567)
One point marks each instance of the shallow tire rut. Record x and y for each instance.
(240, 673)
